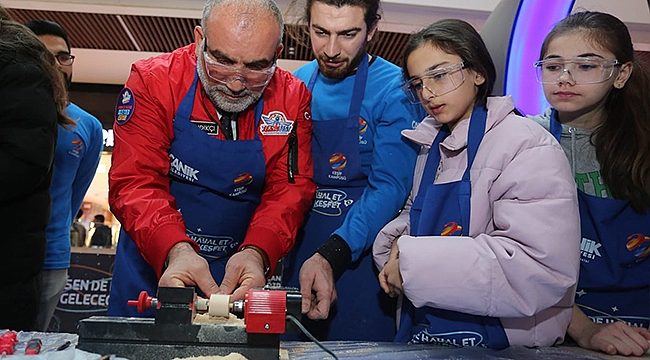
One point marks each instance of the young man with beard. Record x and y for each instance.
(362, 167)
(212, 171)
(78, 149)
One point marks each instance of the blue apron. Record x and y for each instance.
(217, 185)
(361, 312)
(444, 209)
(614, 282)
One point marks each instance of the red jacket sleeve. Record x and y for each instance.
(275, 223)
(139, 189)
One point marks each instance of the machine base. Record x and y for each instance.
(143, 339)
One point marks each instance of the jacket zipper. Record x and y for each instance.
(292, 157)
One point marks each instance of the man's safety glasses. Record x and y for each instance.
(64, 59)
(226, 74)
(583, 70)
(437, 81)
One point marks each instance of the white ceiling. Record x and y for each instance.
(398, 16)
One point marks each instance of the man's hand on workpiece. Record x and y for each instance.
(187, 268)
(317, 287)
(244, 270)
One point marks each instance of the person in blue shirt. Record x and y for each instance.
(362, 167)
(78, 150)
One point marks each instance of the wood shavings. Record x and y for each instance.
(231, 356)
(207, 319)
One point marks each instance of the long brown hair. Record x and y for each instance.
(16, 38)
(622, 140)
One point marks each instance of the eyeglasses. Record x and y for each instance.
(437, 81)
(226, 74)
(64, 59)
(583, 70)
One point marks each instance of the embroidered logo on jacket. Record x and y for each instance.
(77, 147)
(178, 169)
(275, 123)
(125, 106)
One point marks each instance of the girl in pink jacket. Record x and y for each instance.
(485, 252)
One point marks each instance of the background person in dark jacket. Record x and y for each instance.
(102, 234)
(32, 101)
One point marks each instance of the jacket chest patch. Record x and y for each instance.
(275, 123)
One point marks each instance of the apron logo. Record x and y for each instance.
(275, 123)
(328, 202)
(241, 181)
(181, 170)
(589, 250)
(211, 246)
(639, 245)
(454, 338)
(451, 228)
(125, 106)
(337, 163)
(363, 127)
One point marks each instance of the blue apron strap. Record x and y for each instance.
(474, 138)
(258, 116)
(185, 108)
(431, 167)
(359, 89)
(555, 125)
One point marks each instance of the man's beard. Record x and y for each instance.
(345, 70)
(246, 98)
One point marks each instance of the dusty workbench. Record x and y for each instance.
(395, 351)
(343, 350)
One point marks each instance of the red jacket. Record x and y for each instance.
(139, 193)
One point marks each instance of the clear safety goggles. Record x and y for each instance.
(437, 81)
(64, 59)
(583, 70)
(226, 74)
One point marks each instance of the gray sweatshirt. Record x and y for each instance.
(581, 154)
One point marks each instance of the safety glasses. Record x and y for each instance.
(582, 70)
(226, 74)
(437, 82)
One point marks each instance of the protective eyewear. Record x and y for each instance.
(226, 74)
(437, 81)
(64, 59)
(583, 70)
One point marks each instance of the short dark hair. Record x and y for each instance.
(99, 218)
(457, 37)
(46, 27)
(370, 8)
